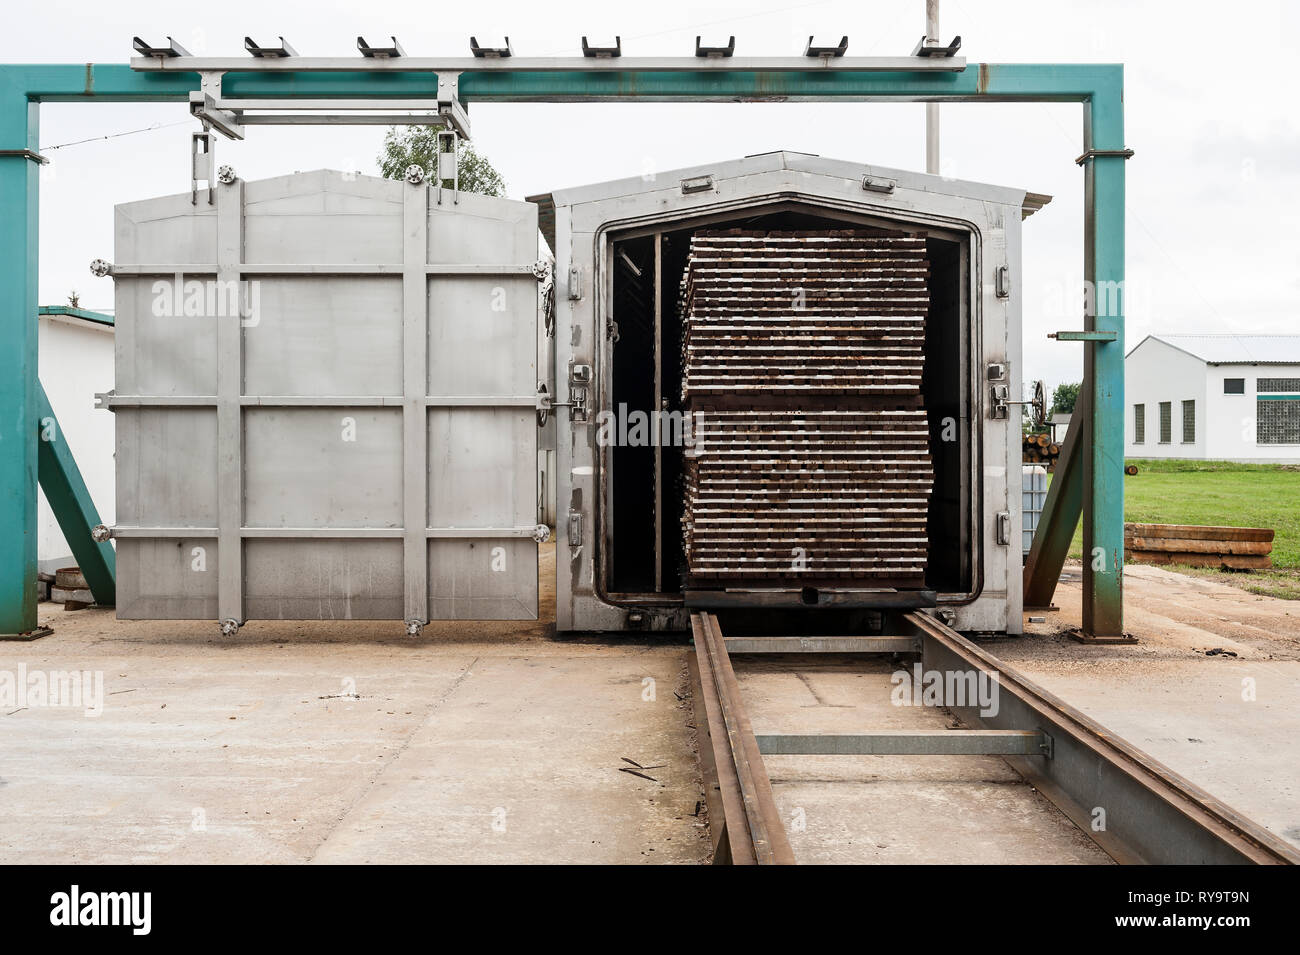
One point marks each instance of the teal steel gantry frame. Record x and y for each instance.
(1099, 88)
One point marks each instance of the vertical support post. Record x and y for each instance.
(230, 385)
(19, 191)
(932, 109)
(1103, 378)
(656, 421)
(415, 411)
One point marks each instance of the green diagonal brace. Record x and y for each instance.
(1060, 518)
(66, 491)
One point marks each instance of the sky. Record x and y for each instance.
(1210, 97)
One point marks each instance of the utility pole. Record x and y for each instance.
(932, 109)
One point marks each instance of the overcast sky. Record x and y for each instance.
(1212, 191)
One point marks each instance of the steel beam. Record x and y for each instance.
(909, 743)
(1060, 517)
(1099, 87)
(72, 505)
(907, 644)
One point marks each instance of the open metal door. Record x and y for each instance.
(326, 403)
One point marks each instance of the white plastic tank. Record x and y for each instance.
(1033, 492)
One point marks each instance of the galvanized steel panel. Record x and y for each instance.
(360, 442)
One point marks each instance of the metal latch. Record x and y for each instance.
(1001, 401)
(579, 380)
(575, 529)
(1003, 519)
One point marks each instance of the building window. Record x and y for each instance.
(1277, 420)
(1166, 421)
(1234, 386)
(1139, 424)
(1274, 385)
(1189, 422)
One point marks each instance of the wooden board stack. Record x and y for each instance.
(802, 360)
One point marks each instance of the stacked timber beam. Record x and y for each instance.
(1232, 548)
(1040, 449)
(802, 362)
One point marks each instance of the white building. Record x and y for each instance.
(1214, 397)
(76, 362)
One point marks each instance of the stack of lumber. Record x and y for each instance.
(1233, 548)
(803, 355)
(1040, 449)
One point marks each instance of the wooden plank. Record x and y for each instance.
(1193, 546)
(1229, 561)
(1197, 532)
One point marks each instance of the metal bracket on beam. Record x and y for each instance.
(1103, 154)
(716, 52)
(490, 52)
(380, 52)
(269, 52)
(205, 109)
(1084, 336)
(932, 48)
(172, 49)
(603, 52)
(25, 154)
(827, 51)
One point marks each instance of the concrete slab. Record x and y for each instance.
(893, 809)
(1229, 722)
(297, 742)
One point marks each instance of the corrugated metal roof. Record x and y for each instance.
(100, 318)
(1236, 349)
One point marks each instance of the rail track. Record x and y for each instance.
(1153, 814)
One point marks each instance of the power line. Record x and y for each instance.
(129, 132)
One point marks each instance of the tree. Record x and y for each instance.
(418, 145)
(1064, 397)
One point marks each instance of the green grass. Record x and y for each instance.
(1222, 493)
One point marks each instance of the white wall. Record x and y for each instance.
(1156, 372)
(1232, 423)
(1225, 424)
(76, 361)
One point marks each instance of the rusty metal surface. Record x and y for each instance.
(1152, 814)
(802, 358)
(743, 819)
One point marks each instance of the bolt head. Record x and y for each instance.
(226, 174)
(100, 534)
(100, 268)
(415, 174)
(414, 628)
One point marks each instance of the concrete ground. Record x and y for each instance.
(494, 742)
(314, 742)
(1229, 721)
(893, 809)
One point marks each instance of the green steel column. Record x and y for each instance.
(1103, 458)
(72, 505)
(19, 126)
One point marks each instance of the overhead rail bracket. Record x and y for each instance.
(603, 52)
(269, 52)
(829, 51)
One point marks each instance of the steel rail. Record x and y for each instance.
(1135, 808)
(745, 824)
